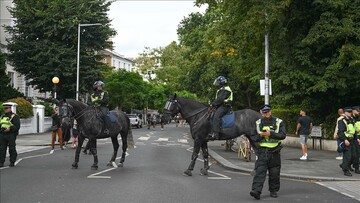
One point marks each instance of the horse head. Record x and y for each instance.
(66, 113)
(172, 106)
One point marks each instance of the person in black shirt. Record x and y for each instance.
(304, 127)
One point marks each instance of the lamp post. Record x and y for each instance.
(55, 80)
(78, 56)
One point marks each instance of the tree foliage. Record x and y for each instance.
(7, 91)
(43, 42)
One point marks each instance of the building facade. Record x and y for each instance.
(17, 81)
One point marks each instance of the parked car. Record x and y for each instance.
(135, 120)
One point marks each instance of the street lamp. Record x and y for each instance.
(55, 80)
(78, 56)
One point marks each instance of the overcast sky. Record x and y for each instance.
(148, 23)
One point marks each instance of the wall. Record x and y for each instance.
(329, 145)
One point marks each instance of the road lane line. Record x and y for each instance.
(222, 177)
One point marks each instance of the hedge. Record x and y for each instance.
(24, 108)
(289, 117)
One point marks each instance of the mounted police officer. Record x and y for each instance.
(100, 100)
(346, 134)
(10, 125)
(222, 103)
(271, 131)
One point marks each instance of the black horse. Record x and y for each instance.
(66, 122)
(91, 126)
(196, 114)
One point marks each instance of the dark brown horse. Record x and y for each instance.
(196, 114)
(91, 126)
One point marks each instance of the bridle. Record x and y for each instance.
(170, 105)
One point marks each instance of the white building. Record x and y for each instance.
(117, 61)
(16, 80)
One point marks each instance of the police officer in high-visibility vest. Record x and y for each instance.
(100, 99)
(347, 136)
(222, 103)
(271, 131)
(10, 125)
(356, 161)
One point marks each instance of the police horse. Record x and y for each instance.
(196, 114)
(91, 126)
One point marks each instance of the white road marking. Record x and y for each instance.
(347, 188)
(28, 157)
(144, 138)
(95, 175)
(184, 141)
(160, 139)
(222, 177)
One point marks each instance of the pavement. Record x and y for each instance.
(320, 166)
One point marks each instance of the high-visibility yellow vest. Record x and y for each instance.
(267, 141)
(5, 121)
(350, 129)
(230, 98)
(95, 98)
(357, 127)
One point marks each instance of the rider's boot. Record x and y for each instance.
(214, 136)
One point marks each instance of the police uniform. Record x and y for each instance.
(222, 103)
(268, 154)
(347, 132)
(10, 125)
(356, 142)
(100, 99)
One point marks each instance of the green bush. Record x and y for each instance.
(48, 108)
(24, 108)
(289, 117)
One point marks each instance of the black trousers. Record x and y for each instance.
(220, 112)
(350, 156)
(8, 140)
(267, 161)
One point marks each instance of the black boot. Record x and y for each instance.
(255, 194)
(213, 136)
(273, 194)
(12, 164)
(347, 173)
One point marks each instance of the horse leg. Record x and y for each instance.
(77, 152)
(115, 144)
(94, 152)
(124, 148)
(205, 152)
(194, 156)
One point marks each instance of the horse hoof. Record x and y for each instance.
(109, 164)
(85, 152)
(74, 166)
(94, 167)
(121, 165)
(203, 172)
(188, 173)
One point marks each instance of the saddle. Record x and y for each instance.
(227, 121)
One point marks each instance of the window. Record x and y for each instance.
(11, 75)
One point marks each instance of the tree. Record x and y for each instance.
(7, 91)
(43, 42)
(127, 90)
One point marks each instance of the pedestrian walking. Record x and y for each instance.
(339, 149)
(347, 136)
(162, 121)
(10, 126)
(271, 131)
(56, 129)
(75, 135)
(148, 120)
(303, 128)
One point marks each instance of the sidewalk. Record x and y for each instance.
(320, 166)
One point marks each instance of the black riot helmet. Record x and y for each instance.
(98, 83)
(220, 81)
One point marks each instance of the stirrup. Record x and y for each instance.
(106, 131)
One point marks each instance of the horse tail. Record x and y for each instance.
(130, 137)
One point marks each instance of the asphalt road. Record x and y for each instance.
(152, 172)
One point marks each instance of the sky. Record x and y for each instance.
(148, 23)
